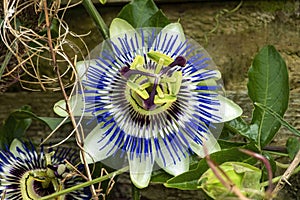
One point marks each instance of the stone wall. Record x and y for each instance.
(232, 38)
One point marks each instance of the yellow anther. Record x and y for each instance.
(140, 68)
(156, 56)
(145, 85)
(167, 99)
(135, 87)
(138, 60)
(159, 92)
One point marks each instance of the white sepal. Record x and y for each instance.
(140, 170)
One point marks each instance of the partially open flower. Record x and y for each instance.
(26, 174)
(244, 176)
(156, 97)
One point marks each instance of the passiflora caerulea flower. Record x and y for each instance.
(26, 174)
(156, 96)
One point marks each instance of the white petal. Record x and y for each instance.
(77, 107)
(76, 101)
(231, 109)
(210, 144)
(119, 27)
(14, 145)
(174, 28)
(82, 67)
(121, 31)
(175, 169)
(225, 111)
(97, 146)
(140, 170)
(172, 32)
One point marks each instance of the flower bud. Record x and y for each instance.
(244, 176)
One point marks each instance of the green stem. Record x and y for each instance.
(86, 184)
(277, 153)
(135, 192)
(281, 165)
(91, 9)
(276, 179)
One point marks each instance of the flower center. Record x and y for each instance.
(153, 86)
(42, 182)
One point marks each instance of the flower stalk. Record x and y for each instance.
(88, 183)
(91, 9)
(136, 195)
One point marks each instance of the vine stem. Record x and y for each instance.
(286, 175)
(276, 179)
(91, 9)
(86, 184)
(267, 164)
(56, 69)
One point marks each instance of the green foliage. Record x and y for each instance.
(51, 122)
(268, 85)
(13, 127)
(292, 146)
(239, 126)
(244, 176)
(279, 119)
(143, 13)
(17, 123)
(190, 180)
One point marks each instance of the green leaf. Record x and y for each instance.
(293, 146)
(13, 127)
(161, 176)
(189, 180)
(159, 19)
(279, 118)
(239, 126)
(268, 85)
(225, 144)
(51, 122)
(143, 13)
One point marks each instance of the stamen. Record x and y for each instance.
(155, 56)
(138, 60)
(147, 85)
(135, 87)
(167, 98)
